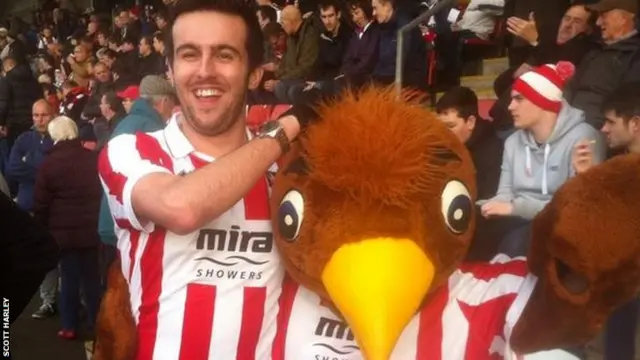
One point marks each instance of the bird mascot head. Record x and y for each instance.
(374, 209)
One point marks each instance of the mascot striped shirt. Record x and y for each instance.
(470, 319)
(211, 294)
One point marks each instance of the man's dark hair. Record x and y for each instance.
(268, 12)
(147, 40)
(363, 5)
(624, 101)
(114, 102)
(86, 39)
(461, 99)
(272, 30)
(242, 8)
(160, 36)
(115, 39)
(326, 4)
(110, 54)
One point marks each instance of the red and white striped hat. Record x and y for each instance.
(543, 85)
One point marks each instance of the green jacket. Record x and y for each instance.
(141, 118)
(301, 57)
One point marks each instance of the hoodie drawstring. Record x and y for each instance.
(529, 170)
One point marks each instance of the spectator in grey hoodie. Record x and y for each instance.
(537, 158)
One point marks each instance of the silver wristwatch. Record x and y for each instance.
(273, 129)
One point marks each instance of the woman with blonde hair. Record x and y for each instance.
(67, 201)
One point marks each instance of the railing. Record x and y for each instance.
(410, 26)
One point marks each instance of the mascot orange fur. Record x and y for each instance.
(373, 214)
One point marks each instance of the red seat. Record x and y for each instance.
(484, 105)
(259, 114)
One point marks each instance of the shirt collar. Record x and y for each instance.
(178, 144)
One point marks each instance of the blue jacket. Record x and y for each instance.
(141, 118)
(25, 158)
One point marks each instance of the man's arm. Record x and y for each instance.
(19, 167)
(147, 193)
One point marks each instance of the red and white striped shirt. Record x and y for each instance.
(211, 294)
(470, 319)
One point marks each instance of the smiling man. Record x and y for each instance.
(603, 70)
(190, 202)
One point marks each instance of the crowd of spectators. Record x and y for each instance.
(568, 101)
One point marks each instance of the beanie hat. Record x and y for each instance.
(543, 85)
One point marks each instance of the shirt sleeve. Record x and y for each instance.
(123, 162)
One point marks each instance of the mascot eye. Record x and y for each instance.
(456, 206)
(290, 215)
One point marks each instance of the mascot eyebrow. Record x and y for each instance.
(443, 155)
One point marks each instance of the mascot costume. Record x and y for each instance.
(373, 212)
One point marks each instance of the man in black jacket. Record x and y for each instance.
(458, 109)
(18, 91)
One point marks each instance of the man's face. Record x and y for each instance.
(161, 23)
(382, 11)
(117, 22)
(41, 114)
(127, 103)
(92, 27)
(330, 18)
(461, 127)
(80, 53)
(102, 73)
(211, 73)
(124, 18)
(165, 107)
(108, 61)
(289, 25)
(574, 22)
(105, 109)
(611, 24)
(144, 48)
(102, 40)
(619, 134)
(358, 17)
(158, 46)
(47, 33)
(127, 46)
(525, 113)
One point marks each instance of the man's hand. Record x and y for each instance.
(521, 70)
(496, 208)
(582, 156)
(270, 85)
(524, 29)
(269, 67)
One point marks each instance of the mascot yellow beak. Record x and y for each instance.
(378, 285)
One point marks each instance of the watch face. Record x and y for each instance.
(269, 126)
